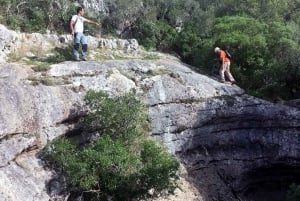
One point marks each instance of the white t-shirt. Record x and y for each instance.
(78, 20)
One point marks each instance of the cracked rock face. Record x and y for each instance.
(236, 147)
(229, 142)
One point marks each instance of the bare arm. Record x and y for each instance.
(92, 22)
(72, 27)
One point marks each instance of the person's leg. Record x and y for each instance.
(221, 72)
(84, 47)
(227, 72)
(76, 46)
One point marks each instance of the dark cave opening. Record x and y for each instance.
(269, 183)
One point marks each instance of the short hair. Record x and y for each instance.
(217, 49)
(80, 8)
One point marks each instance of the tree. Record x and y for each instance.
(122, 15)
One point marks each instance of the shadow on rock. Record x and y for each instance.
(241, 153)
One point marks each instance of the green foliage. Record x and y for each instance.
(39, 66)
(58, 55)
(14, 22)
(61, 54)
(158, 168)
(60, 22)
(155, 26)
(165, 35)
(188, 43)
(261, 52)
(144, 33)
(58, 149)
(115, 165)
(263, 37)
(121, 117)
(155, 34)
(122, 12)
(293, 193)
(247, 41)
(107, 161)
(25, 16)
(37, 16)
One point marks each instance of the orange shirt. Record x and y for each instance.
(223, 56)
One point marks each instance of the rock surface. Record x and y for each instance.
(233, 146)
(7, 40)
(14, 46)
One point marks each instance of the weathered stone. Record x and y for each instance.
(36, 45)
(24, 179)
(7, 40)
(228, 141)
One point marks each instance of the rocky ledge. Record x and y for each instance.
(233, 146)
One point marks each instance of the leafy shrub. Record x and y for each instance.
(115, 165)
(61, 54)
(293, 193)
(155, 34)
(187, 45)
(158, 168)
(121, 117)
(14, 22)
(264, 55)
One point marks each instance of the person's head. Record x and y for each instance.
(80, 11)
(217, 49)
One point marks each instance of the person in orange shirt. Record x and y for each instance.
(225, 66)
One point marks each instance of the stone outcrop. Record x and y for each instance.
(7, 41)
(221, 134)
(15, 46)
(233, 146)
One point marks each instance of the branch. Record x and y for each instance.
(20, 4)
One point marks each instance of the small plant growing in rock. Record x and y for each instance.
(60, 54)
(122, 164)
(39, 66)
(159, 71)
(45, 80)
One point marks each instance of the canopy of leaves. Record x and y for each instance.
(122, 163)
(121, 117)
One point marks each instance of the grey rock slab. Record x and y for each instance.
(24, 180)
(213, 128)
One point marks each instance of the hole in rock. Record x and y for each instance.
(269, 183)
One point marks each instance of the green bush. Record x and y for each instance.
(60, 54)
(115, 165)
(14, 22)
(264, 54)
(188, 45)
(158, 34)
(158, 168)
(121, 117)
(293, 193)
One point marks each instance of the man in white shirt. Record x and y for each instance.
(76, 26)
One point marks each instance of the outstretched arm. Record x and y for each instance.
(92, 22)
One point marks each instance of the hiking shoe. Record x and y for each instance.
(233, 82)
(222, 81)
(83, 58)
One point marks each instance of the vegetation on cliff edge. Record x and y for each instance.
(122, 163)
